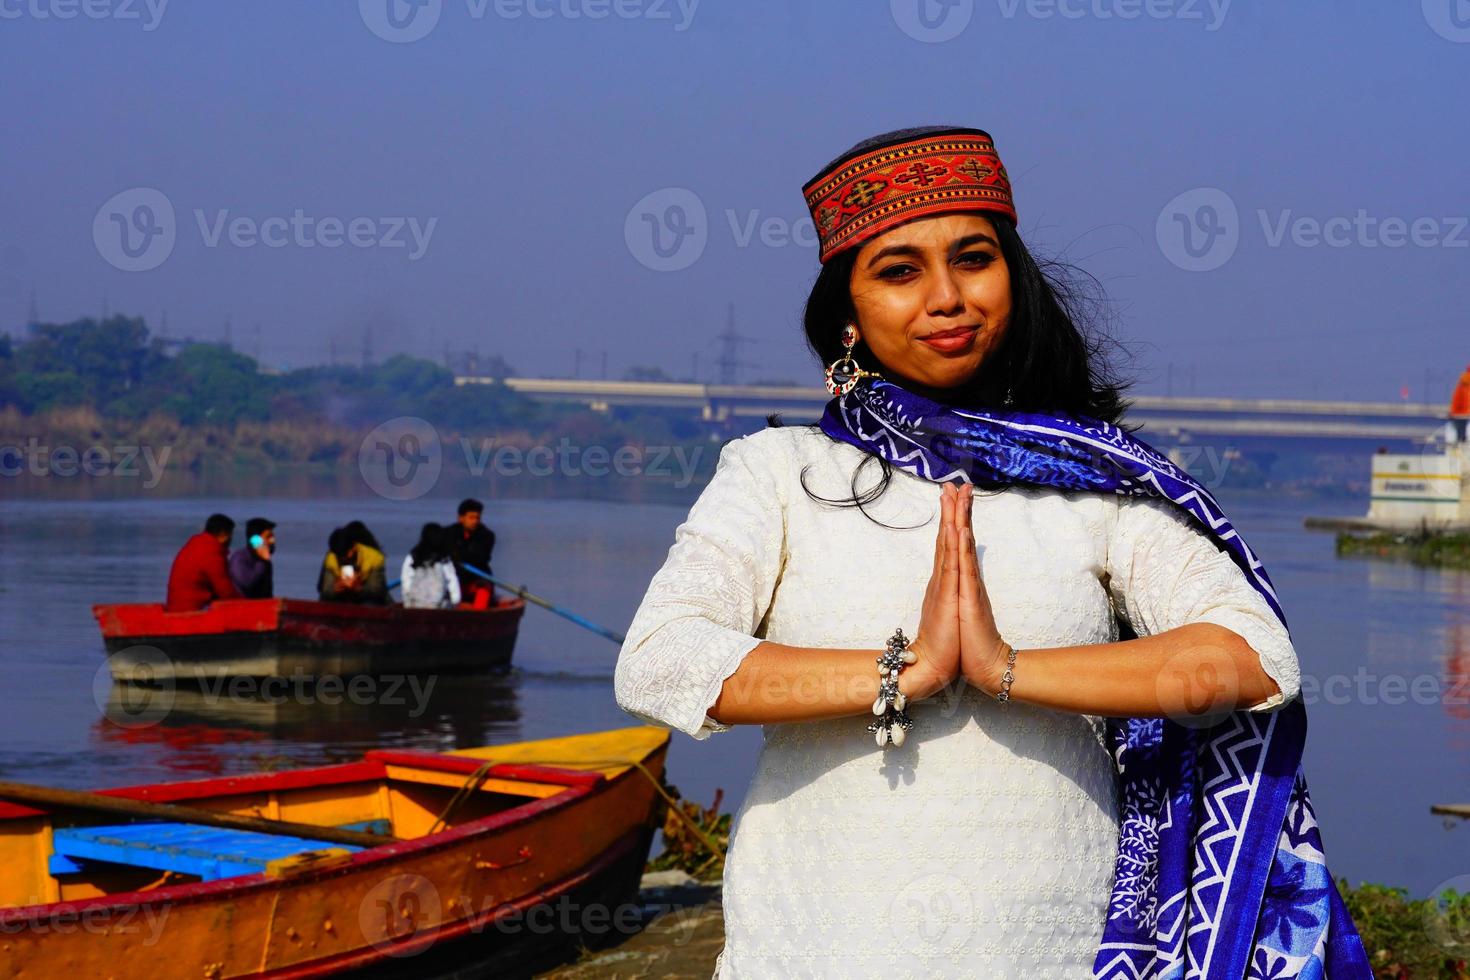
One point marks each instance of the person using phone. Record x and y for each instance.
(354, 568)
(250, 566)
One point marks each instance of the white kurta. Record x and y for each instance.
(983, 846)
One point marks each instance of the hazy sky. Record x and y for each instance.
(1274, 194)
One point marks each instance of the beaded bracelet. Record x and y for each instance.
(1004, 694)
(893, 721)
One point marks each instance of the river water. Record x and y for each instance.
(1385, 649)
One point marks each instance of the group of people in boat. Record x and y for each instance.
(439, 572)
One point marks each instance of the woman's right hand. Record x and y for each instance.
(937, 644)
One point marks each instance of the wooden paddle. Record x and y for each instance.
(545, 604)
(48, 798)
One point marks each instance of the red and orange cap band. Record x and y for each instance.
(869, 192)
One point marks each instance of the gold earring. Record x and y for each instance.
(843, 374)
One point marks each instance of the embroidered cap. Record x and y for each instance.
(874, 189)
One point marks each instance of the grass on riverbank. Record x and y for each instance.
(1420, 547)
(1411, 938)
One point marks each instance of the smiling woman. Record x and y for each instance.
(1099, 665)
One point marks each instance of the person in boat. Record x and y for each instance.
(250, 565)
(1077, 750)
(428, 579)
(200, 573)
(471, 544)
(354, 568)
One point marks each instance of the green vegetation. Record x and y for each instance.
(92, 381)
(689, 831)
(114, 367)
(1423, 547)
(1411, 938)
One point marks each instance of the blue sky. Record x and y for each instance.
(1273, 194)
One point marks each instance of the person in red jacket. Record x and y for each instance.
(201, 571)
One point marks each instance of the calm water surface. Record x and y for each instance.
(1388, 646)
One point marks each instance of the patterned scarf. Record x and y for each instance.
(1220, 871)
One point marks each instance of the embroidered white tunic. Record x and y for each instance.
(984, 846)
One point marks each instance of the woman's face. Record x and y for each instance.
(933, 299)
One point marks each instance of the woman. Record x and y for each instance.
(977, 823)
(354, 568)
(428, 577)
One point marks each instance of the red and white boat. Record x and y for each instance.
(298, 637)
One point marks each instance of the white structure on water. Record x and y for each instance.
(1430, 489)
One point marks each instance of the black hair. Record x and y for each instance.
(433, 546)
(1054, 356)
(258, 525)
(357, 533)
(470, 505)
(219, 524)
(339, 543)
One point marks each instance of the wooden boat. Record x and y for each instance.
(545, 852)
(297, 637)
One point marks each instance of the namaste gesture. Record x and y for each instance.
(957, 634)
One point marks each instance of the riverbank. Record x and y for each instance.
(1440, 550)
(1405, 938)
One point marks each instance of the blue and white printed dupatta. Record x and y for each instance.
(1220, 871)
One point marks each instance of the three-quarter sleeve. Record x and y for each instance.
(702, 609)
(1164, 572)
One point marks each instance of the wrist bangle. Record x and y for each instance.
(893, 721)
(1004, 694)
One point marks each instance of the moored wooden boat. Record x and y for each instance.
(542, 847)
(298, 637)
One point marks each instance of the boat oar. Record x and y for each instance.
(45, 796)
(546, 604)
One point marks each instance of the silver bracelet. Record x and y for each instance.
(1004, 694)
(893, 721)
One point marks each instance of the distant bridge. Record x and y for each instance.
(1235, 417)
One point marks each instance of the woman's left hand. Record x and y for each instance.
(982, 651)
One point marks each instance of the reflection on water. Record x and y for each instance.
(1385, 650)
(213, 731)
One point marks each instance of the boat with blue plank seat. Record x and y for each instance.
(403, 864)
